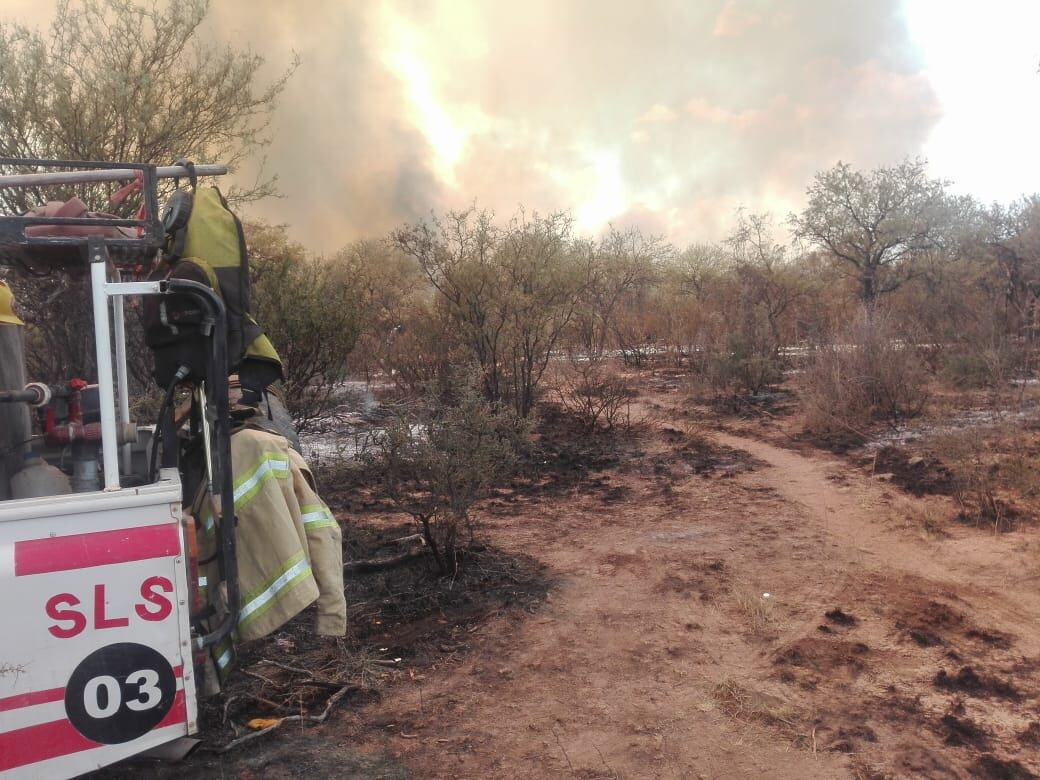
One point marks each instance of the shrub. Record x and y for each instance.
(594, 395)
(509, 293)
(982, 476)
(966, 369)
(438, 458)
(738, 355)
(420, 352)
(866, 373)
(748, 364)
(978, 364)
(310, 308)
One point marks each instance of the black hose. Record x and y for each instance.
(171, 388)
(19, 397)
(14, 447)
(217, 389)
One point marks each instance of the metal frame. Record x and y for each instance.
(106, 286)
(219, 454)
(102, 256)
(101, 290)
(66, 251)
(104, 172)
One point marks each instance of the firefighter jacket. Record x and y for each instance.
(289, 545)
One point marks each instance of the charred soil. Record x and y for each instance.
(696, 597)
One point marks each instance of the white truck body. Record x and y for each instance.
(96, 649)
(95, 652)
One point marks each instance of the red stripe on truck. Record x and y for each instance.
(29, 699)
(33, 744)
(33, 698)
(81, 551)
(38, 743)
(178, 712)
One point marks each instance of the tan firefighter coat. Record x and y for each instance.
(290, 552)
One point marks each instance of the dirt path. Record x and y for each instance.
(660, 654)
(854, 509)
(617, 676)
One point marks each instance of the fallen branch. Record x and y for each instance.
(563, 749)
(227, 705)
(267, 680)
(286, 667)
(320, 683)
(333, 700)
(311, 679)
(378, 564)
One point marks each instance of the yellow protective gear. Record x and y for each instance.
(289, 545)
(261, 348)
(7, 314)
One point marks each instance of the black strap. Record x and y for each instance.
(209, 560)
(180, 235)
(193, 179)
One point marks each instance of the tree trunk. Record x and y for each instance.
(869, 288)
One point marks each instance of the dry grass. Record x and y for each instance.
(750, 706)
(991, 468)
(756, 610)
(926, 518)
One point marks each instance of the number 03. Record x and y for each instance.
(102, 696)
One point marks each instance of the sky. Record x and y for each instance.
(667, 115)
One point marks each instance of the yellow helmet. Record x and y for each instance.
(7, 314)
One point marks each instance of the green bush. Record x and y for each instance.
(437, 458)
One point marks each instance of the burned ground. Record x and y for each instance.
(405, 621)
(678, 600)
(919, 475)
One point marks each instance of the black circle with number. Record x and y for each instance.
(120, 693)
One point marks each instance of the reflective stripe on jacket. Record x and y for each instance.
(289, 545)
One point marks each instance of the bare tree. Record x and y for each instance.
(769, 282)
(545, 279)
(456, 254)
(876, 222)
(120, 80)
(1011, 234)
(511, 291)
(624, 263)
(127, 80)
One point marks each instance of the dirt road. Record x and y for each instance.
(778, 622)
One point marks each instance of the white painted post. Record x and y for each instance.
(103, 350)
(121, 381)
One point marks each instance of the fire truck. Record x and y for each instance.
(102, 642)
